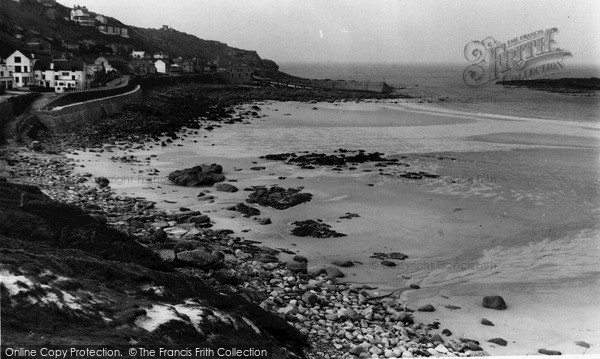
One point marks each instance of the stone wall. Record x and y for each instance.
(6, 115)
(62, 119)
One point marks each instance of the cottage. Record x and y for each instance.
(61, 75)
(20, 68)
(162, 66)
(142, 67)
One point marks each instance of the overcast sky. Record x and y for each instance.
(383, 31)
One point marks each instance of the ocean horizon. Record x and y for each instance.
(435, 82)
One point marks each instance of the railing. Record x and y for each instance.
(81, 95)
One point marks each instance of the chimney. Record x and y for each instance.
(52, 66)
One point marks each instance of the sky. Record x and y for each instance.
(365, 31)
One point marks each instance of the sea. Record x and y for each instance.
(435, 82)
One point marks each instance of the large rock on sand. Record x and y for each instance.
(494, 302)
(201, 175)
(278, 197)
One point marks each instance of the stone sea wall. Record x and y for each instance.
(6, 115)
(62, 119)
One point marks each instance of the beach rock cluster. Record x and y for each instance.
(246, 210)
(201, 175)
(310, 160)
(314, 228)
(278, 197)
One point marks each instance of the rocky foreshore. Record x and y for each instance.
(339, 320)
(288, 301)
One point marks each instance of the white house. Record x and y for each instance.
(138, 54)
(20, 68)
(162, 66)
(61, 75)
(81, 16)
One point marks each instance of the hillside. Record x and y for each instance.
(43, 27)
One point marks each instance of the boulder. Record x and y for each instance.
(486, 322)
(265, 221)
(498, 341)
(342, 263)
(299, 258)
(226, 187)
(246, 210)
(199, 219)
(549, 352)
(347, 313)
(494, 302)
(333, 272)
(278, 197)
(297, 267)
(102, 182)
(473, 346)
(316, 229)
(201, 175)
(310, 298)
(159, 235)
(201, 258)
(427, 308)
(315, 271)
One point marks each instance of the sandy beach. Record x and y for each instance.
(514, 213)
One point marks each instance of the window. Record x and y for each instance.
(43, 76)
(56, 77)
(73, 77)
(25, 69)
(17, 68)
(1, 73)
(64, 74)
(18, 59)
(16, 80)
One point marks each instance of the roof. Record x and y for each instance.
(43, 63)
(70, 65)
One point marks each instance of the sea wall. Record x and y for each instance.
(6, 115)
(64, 118)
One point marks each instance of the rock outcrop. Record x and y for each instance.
(201, 175)
(278, 197)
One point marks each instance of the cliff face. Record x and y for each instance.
(181, 44)
(30, 21)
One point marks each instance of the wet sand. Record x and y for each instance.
(515, 213)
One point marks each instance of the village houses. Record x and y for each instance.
(60, 74)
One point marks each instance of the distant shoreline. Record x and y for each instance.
(568, 85)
